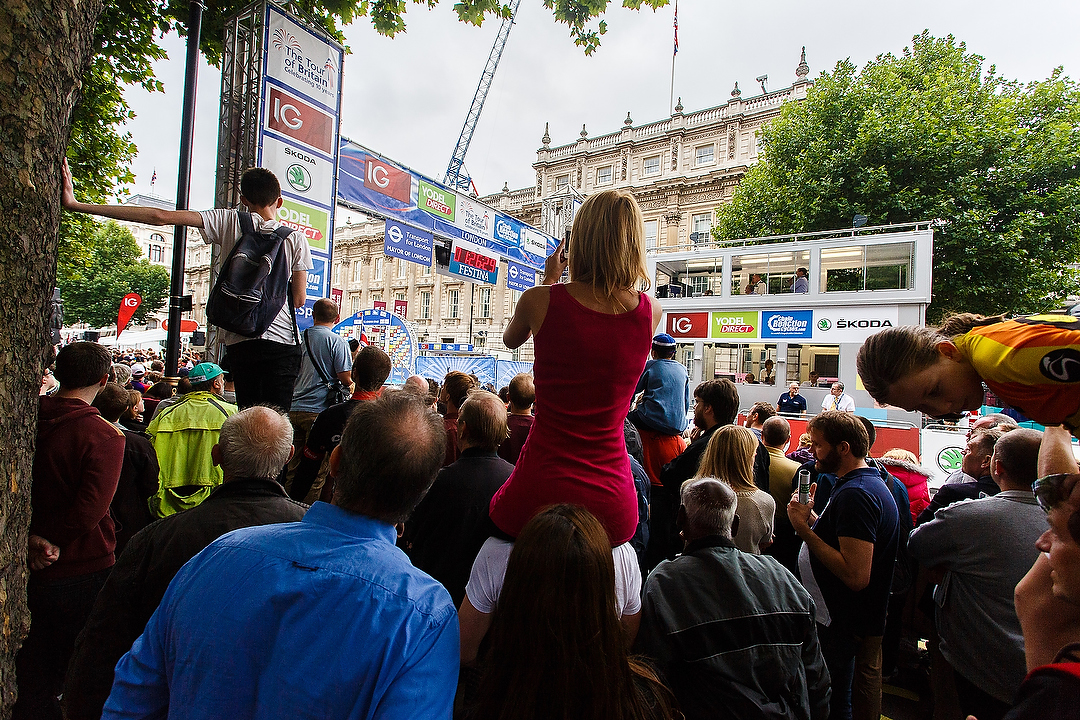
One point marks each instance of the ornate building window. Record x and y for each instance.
(650, 166)
(603, 175)
(485, 302)
(425, 305)
(651, 230)
(703, 155)
(453, 304)
(376, 273)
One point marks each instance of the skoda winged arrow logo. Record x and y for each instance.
(824, 324)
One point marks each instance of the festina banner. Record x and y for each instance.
(128, 306)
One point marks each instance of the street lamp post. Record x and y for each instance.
(177, 301)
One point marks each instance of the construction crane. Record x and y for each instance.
(456, 177)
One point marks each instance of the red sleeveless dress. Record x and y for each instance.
(586, 367)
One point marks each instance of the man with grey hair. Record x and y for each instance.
(986, 546)
(285, 600)
(253, 446)
(733, 633)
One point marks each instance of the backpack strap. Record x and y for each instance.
(247, 225)
(311, 357)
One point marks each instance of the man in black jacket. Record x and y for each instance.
(253, 447)
(716, 403)
(450, 525)
(733, 633)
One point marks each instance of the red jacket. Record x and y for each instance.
(76, 468)
(914, 479)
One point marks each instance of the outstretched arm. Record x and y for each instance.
(148, 215)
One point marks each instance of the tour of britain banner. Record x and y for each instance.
(370, 182)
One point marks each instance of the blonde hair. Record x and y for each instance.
(607, 247)
(902, 454)
(729, 456)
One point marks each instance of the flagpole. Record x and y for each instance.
(674, 54)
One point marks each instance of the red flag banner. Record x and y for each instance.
(128, 306)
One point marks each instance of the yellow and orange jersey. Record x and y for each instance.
(1032, 363)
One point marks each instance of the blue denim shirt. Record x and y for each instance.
(664, 407)
(316, 619)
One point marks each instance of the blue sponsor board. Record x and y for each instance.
(519, 277)
(787, 324)
(447, 347)
(316, 277)
(402, 241)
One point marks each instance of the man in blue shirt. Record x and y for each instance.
(660, 415)
(321, 618)
(791, 402)
(847, 561)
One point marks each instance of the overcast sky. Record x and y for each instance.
(407, 97)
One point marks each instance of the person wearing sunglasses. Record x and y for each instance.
(1048, 598)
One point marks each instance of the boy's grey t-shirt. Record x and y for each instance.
(221, 227)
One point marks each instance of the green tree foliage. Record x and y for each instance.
(931, 135)
(109, 265)
(127, 36)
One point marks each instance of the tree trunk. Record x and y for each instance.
(45, 46)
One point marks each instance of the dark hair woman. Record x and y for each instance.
(557, 649)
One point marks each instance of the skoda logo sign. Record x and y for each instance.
(299, 177)
(824, 324)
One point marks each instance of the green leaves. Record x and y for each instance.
(99, 264)
(931, 134)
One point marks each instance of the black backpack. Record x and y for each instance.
(253, 284)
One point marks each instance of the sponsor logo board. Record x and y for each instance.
(475, 218)
(301, 60)
(688, 325)
(534, 242)
(437, 201)
(472, 262)
(300, 172)
(311, 221)
(853, 324)
(406, 243)
(734, 324)
(519, 277)
(316, 277)
(288, 115)
(787, 324)
(385, 179)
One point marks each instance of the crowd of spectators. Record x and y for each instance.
(568, 547)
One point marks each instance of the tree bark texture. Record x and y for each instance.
(45, 46)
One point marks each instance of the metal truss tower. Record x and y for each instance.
(455, 175)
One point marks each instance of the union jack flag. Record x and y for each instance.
(676, 28)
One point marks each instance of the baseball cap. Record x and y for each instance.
(203, 372)
(138, 369)
(663, 340)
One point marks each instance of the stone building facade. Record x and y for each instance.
(679, 169)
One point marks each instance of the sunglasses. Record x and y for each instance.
(1049, 491)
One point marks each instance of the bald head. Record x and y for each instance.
(254, 443)
(416, 383)
(776, 433)
(708, 508)
(481, 421)
(1014, 464)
